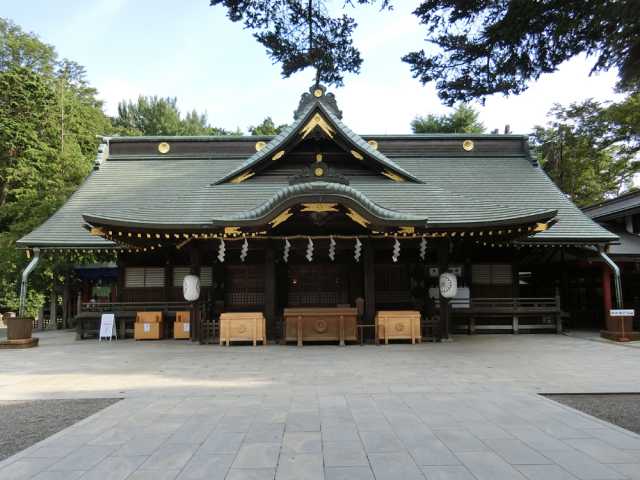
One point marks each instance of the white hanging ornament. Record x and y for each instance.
(357, 250)
(448, 285)
(287, 247)
(332, 249)
(423, 248)
(310, 250)
(221, 251)
(191, 288)
(396, 251)
(244, 251)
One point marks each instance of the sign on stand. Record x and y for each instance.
(107, 327)
(622, 312)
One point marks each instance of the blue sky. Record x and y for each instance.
(190, 50)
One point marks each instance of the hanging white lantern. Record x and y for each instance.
(357, 250)
(244, 251)
(448, 285)
(287, 247)
(423, 248)
(221, 251)
(309, 250)
(396, 251)
(191, 288)
(332, 249)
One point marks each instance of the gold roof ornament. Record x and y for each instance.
(317, 92)
(232, 231)
(357, 155)
(164, 147)
(373, 144)
(318, 172)
(468, 145)
(283, 217)
(317, 121)
(392, 176)
(260, 145)
(407, 230)
(278, 155)
(243, 176)
(359, 219)
(319, 207)
(97, 231)
(541, 227)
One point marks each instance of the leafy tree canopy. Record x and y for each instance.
(463, 119)
(267, 127)
(590, 149)
(490, 46)
(301, 34)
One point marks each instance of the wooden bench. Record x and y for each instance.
(398, 325)
(321, 325)
(243, 327)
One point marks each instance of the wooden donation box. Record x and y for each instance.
(182, 325)
(148, 326)
(243, 327)
(398, 325)
(321, 325)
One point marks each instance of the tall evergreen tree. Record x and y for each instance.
(463, 119)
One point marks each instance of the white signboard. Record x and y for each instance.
(107, 327)
(185, 327)
(622, 313)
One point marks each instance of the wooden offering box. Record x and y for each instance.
(148, 326)
(398, 325)
(182, 326)
(321, 325)
(243, 327)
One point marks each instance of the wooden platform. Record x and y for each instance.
(321, 325)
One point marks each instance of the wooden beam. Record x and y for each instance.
(369, 281)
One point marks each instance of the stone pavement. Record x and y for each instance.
(461, 410)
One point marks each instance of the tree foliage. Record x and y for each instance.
(267, 127)
(589, 149)
(488, 46)
(463, 119)
(301, 34)
(49, 119)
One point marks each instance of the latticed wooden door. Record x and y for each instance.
(318, 285)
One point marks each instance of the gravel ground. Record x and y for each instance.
(622, 409)
(23, 423)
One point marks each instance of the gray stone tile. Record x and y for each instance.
(257, 455)
(141, 445)
(348, 473)
(206, 466)
(537, 439)
(114, 468)
(452, 472)
(459, 440)
(601, 451)
(25, 468)
(303, 466)
(486, 430)
(170, 457)
(616, 438)
(631, 470)
(340, 433)
(344, 455)
(380, 441)
(516, 452)
(582, 465)
(302, 442)
(264, 433)
(251, 474)
(433, 452)
(545, 472)
(235, 423)
(58, 475)
(303, 422)
(83, 458)
(394, 466)
(154, 475)
(488, 466)
(415, 436)
(222, 442)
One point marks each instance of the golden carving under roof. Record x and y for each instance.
(232, 231)
(356, 217)
(318, 157)
(278, 155)
(283, 217)
(357, 155)
(541, 227)
(243, 176)
(407, 230)
(97, 231)
(260, 145)
(317, 121)
(319, 207)
(468, 145)
(393, 176)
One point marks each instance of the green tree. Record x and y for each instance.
(487, 47)
(578, 152)
(267, 127)
(463, 119)
(49, 119)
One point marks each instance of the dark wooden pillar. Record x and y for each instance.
(369, 260)
(195, 327)
(443, 266)
(270, 290)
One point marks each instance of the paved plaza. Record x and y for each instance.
(464, 410)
